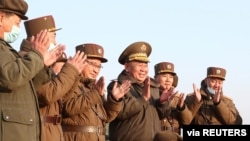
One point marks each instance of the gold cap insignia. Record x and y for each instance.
(143, 47)
(218, 71)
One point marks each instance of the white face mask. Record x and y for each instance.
(13, 35)
(51, 46)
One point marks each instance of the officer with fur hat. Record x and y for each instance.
(143, 99)
(168, 80)
(209, 105)
(87, 112)
(19, 105)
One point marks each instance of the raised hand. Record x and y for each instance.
(197, 93)
(50, 57)
(100, 86)
(181, 100)
(166, 94)
(217, 95)
(40, 42)
(78, 61)
(119, 91)
(146, 90)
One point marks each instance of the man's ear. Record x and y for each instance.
(126, 66)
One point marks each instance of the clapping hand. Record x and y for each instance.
(50, 57)
(197, 93)
(78, 61)
(217, 95)
(146, 91)
(119, 91)
(100, 86)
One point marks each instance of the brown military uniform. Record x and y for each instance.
(139, 119)
(206, 111)
(85, 115)
(171, 123)
(49, 87)
(50, 91)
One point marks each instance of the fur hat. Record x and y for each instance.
(164, 67)
(216, 72)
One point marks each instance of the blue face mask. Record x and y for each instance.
(13, 35)
(210, 90)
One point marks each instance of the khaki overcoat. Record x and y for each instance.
(88, 108)
(19, 110)
(50, 90)
(207, 112)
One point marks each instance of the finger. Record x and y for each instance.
(81, 55)
(194, 87)
(102, 80)
(115, 84)
(42, 36)
(181, 96)
(84, 57)
(77, 54)
(126, 84)
(32, 39)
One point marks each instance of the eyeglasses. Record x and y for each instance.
(94, 64)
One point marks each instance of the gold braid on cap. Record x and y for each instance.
(51, 29)
(161, 71)
(219, 76)
(138, 56)
(98, 56)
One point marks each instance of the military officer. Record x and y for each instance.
(209, 105)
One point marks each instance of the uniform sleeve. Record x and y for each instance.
(186, 116)
(112, 108)
(58, 86)
(227, 111)
(17, 71)
(190, 109)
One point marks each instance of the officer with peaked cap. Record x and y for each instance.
(209, 105)
(139, 51)
(168, 80)
(87, 112)
(53, 82)
(34, 26)
(93, 51)
(141, 102)
(19, 105)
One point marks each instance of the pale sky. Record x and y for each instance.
(192, 34)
